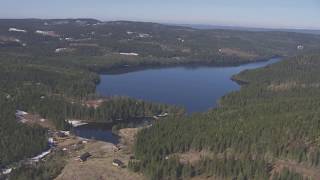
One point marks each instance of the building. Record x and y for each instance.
(61, 135)
(117, 163)
(116, 148)
(300, 47)
(163, 115)
(84, 157)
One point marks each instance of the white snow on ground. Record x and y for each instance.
(16, 40)
(59, 50)
(47, 33)
(6, 171)
(68, 39)
(40, 156)
(181, 40)
(21, 113)
(129, 54)
(17, 30)
(40, 32)
(67, 133)
(129, 32)
(76, 123)
(142, 35)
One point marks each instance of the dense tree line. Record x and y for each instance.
(57, 93)
(48, 169)
(35, 79)
(275, 116)
(120, 109)
(18, 141)
(159, 43)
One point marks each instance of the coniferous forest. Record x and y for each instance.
(273, 118)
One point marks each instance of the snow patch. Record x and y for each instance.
(67, 133)
(59, 50)
(41, 156)
(129, 54)
(17, 30)
(129, 32)
(76, 123)
(68, 39)
(47, 33)
(181, 40)
(6, 171)
(21, 113)
(142, 35)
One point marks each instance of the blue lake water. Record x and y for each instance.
(97, 131)
(195, 88)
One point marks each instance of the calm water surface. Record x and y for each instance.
(103, 131)
(197, 89)
(97, 131)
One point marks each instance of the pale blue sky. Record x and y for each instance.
(256, 13)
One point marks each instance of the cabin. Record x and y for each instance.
(163, 115)
(117, 163)
(84, 157)
(116, 148)
(61, 134)
(131, 157)
(300, 47)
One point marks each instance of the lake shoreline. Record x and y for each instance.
(122, 69)
(109, 128)
(198, 88)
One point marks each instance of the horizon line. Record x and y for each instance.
(174, 23)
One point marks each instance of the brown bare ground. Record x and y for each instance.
(99, 165)
(192, 157)
(128, 136)
(306, 171)
(206, 178)
(238, 52)
(37, 119)
(290, 85)
(95, 103)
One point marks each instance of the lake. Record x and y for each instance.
(195, 88)
(97, 131)
(103, 131)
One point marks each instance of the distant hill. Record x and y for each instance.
(200, 26)
(151, 43)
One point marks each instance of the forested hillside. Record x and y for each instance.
(274, 120)
(57, 94)
(17, 141)
(108, 45)
(50, 68)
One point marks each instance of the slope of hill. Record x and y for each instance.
(146, 43)
(49, 68)
(269, 129)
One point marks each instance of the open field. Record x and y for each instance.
(99, 165)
